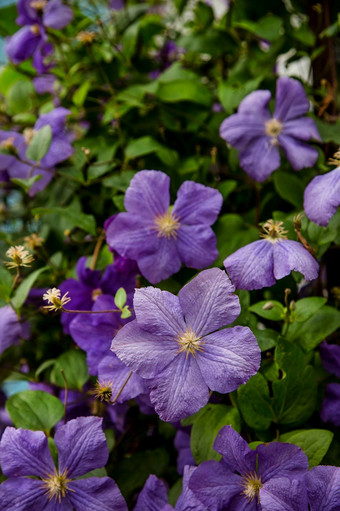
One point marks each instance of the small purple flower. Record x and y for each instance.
(322, 197)
(154, 496)
(159, 238)
(330, 358)
(258, 136)
(31, 39)
(175, 343)
(81, 448)
(90, 285)
(245, 477)
(60, 149)
(261, 263)
(323, 488)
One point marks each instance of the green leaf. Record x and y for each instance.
(73, 363)
(6, 281)
(18, 97)
(294, 395)
(25, 287)
(184, 90)
(268, 309)
(314, 442)
(120, 298)
(226, 187)
(266, 339)
(126, 313)
(76, 218)
(39, 144)
(146, 145)
(311, 332)
(289, 187)
(307, 307)
(120, 181)
(26, 184)
(328, 132)
(80, 95)
(270, 27)
(35, 410)
(231, 93)
(208, 422)
(130, 38)
(255, 403)
(232, 233)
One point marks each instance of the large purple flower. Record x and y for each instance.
(323, 487)
(159, 238)
(60, 149)
(330, 357)
(91, 284)
(175, 343)
(258, 135)
(81, 448)
(322, 197)
(245, 477)
(260, 263)
(31, 39)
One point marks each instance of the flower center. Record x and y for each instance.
(19, 256)
(53, 296)
(273, 230)
(103, 391)
(56, 486)
(86, 37)
(251, 484)
(35, 29)
(189, 342)
(38, 4)
(273, 129)
(167, 225)
(95, 293)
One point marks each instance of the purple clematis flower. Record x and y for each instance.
(90, 285)
(31, 39)
(260, 263)
(245, 477)
(60, 149)
(175, 343)
(322, 197)
(161, 239)
(82, 447)
(323, 487)
(258, 135)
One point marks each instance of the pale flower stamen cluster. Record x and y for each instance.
(53, 296)
(20, 257)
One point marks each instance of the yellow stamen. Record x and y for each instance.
(86, 37)
(38, 4)
(252, 485)
(273, 128)
(53, 296)
(189, 342)
(20, 257)
(103, 391)
(167, 225)
(35, 29)
(56, 486)
(273, 230)
(95, 293)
